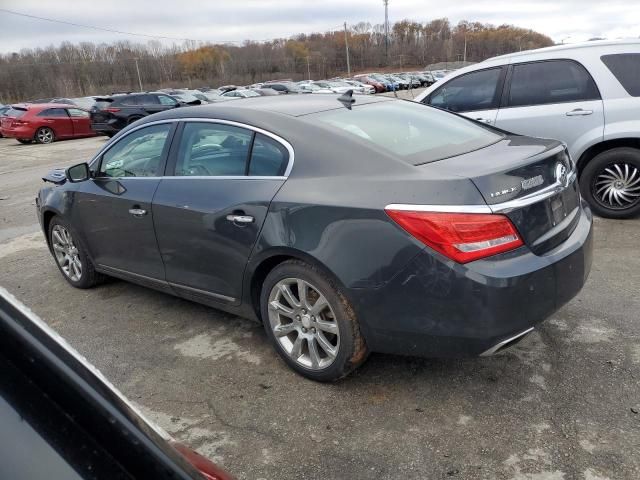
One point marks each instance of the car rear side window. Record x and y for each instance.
(626, 68)
(548, 82)
(15, 112)
(148, 100)
(213, 150)
(53, 112)
(268, 157)
(138, 154)
(472, 91)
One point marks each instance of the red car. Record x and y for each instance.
(370, 81)
(45, 122)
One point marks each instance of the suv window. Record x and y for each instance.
(77, 113)
(148, 100)
(472, 91)
(268, 157)
(138, 154)
(131, 100)
(552, 81)
(212, 150)
(626, 68)
(166, 100)
(53, 112)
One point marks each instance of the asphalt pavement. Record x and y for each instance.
(562, 404)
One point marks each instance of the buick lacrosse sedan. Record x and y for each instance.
(379, 225)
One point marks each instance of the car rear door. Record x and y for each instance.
(80, 121)
(552, 99)
(475, 94)
(58, 119)
(113, 209)
(210, 206)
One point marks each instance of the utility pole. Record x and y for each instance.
(308, 69)
(386, 29)
(138, 70)
(346, 46)
(464, 56)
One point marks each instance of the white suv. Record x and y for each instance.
(587, 95)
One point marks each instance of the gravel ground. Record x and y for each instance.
(562, 404)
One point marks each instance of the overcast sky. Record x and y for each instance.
(219, 21)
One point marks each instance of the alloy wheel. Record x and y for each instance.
(617, 186)
(45, 135)
(66, 253)
(304, 323)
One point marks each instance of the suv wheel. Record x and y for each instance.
(70, 256)
(311, 324)
(611, 183)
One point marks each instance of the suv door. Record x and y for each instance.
(210, 208)
(113, 209)
(475, 94)
(552, 99)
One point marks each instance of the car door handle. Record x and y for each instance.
(137, 212)
(240, 218)
(485, 120)
(579, 112)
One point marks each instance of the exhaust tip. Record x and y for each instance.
(506, 343)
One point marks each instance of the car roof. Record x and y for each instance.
(290, 105)
(43, 106)
(567, 48)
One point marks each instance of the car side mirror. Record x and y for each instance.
(194, 102)
(78, 173)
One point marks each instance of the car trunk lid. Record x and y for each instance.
(531, 181)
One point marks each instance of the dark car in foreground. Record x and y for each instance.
(111, 114)
(61, 419)
(346, 225)
(45, 123)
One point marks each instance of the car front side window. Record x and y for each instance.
(138, 154)
(468, 92)
(213, 150)
(165, 100)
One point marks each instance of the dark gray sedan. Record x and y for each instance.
(346, 228)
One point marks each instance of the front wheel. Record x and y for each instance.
(45, 135)
(311, 324)
(610, 182)
(70, 256)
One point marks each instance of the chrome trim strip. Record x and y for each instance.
(196, 177)
(107, 268)
(534, 197)
(498, 346)
(277, 138)
(439, 208)
(204, 292)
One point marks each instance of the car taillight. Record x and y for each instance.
(112, 109)
(18, 123)
(463, 237)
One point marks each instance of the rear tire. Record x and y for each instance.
(610, 183)
(71, 256)
(45, 135)
(316, 331)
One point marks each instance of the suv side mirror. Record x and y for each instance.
(78, 173)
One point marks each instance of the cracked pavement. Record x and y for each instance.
(562, 404)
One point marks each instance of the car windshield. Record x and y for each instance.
(415, 132)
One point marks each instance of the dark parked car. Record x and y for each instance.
(62, 420)
(111, 114)
(345, 225)
(283, 87)
(45, 123)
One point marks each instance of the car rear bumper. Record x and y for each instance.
(18, 132)
(112, 126)
(437, 308)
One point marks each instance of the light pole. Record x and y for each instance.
(346, 46)
(138, 70)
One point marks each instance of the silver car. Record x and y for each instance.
(587, 95)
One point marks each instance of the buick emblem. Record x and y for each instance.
(561, 174)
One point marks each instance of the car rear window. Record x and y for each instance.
(626, 68)
(16, 112)
(414, 132)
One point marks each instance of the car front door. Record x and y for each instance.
(209, 209)
(113, 209)
(475, 94)
(81, 122)
(58, 120)
(552, 99)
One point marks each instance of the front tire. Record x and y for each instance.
(70, 255)
(45, 135)
(610, 183)
(311, 324)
